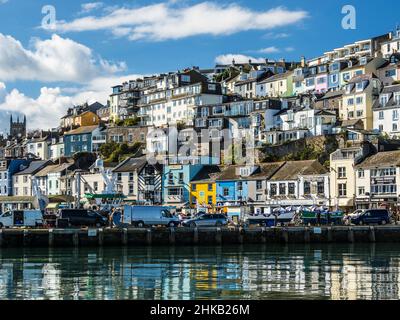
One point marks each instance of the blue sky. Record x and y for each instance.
(97, 43)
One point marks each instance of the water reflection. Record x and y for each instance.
(249, 272)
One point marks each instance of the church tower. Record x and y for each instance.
(18, 128)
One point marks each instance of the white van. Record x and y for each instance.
(21, 218)
(149, 216)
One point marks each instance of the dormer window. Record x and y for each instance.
(244, 172)
(349, 87)
(363, 61)
(359, 86)
(383, 100)
(397, 98)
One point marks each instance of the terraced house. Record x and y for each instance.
(203, 191)
(386, 112)
(378, 181)
(139, 180)
(299, 183)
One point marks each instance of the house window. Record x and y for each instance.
(361, 173)
(131, 191)
(307, 187)
(273, 190)
(383, 100)
(359, 113)
(170, 178)
(259, 184)
(350, 101)
(119, 176)
(342, 172)
(291, 188)
(397, 98)
(130, 176)
(240, 186)
(226, 192)
(209, 199)
(96, 186)
(282, 188)
(381, 116)
(181, 177)
(210, 187)
(361, 191)
(395, 115)
(390, 73)
(359, 100)
(320, 187)
(194, 187)
(394, 127)
(342, 190)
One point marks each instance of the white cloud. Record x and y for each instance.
(54, 59)
(165, 21)
(289, 49)
(272, 35)
(51, 104)
(90, 6)
(269, 50)
(239, 58)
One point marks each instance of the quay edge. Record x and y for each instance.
(198, 236)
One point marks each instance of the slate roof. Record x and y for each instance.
(292, 169)
(389, 158)
(207, 174)
(131, 164)
(264, 171)
(34, 167)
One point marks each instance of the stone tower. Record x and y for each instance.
(18, 128)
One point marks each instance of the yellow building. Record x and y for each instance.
(87, 118)
(343, 177)
(203, 189)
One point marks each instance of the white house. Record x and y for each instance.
(386, 111)
(299, 183)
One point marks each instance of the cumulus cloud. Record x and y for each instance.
(239, 58)
(54, 59)
(165, 21)
(51, 104)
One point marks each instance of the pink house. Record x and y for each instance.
(321, 83)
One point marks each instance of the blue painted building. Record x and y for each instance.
(79, 140)
(176, 183)
(9, 167)
(334, 74)
(233, 184)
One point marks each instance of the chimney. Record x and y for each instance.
(249, 61)
(303, 61)
(266, 60)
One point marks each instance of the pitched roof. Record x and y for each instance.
(292, 169)
(277, 77)
(263, 171)
(389, 158)
(82, 130)
(131, 164)
(34, 167)
(207, 174)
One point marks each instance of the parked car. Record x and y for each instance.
(82, 217)
(372, 216)
(141, 216)
(206, 220)
(21, 218)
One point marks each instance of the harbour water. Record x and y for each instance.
(358, 271)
